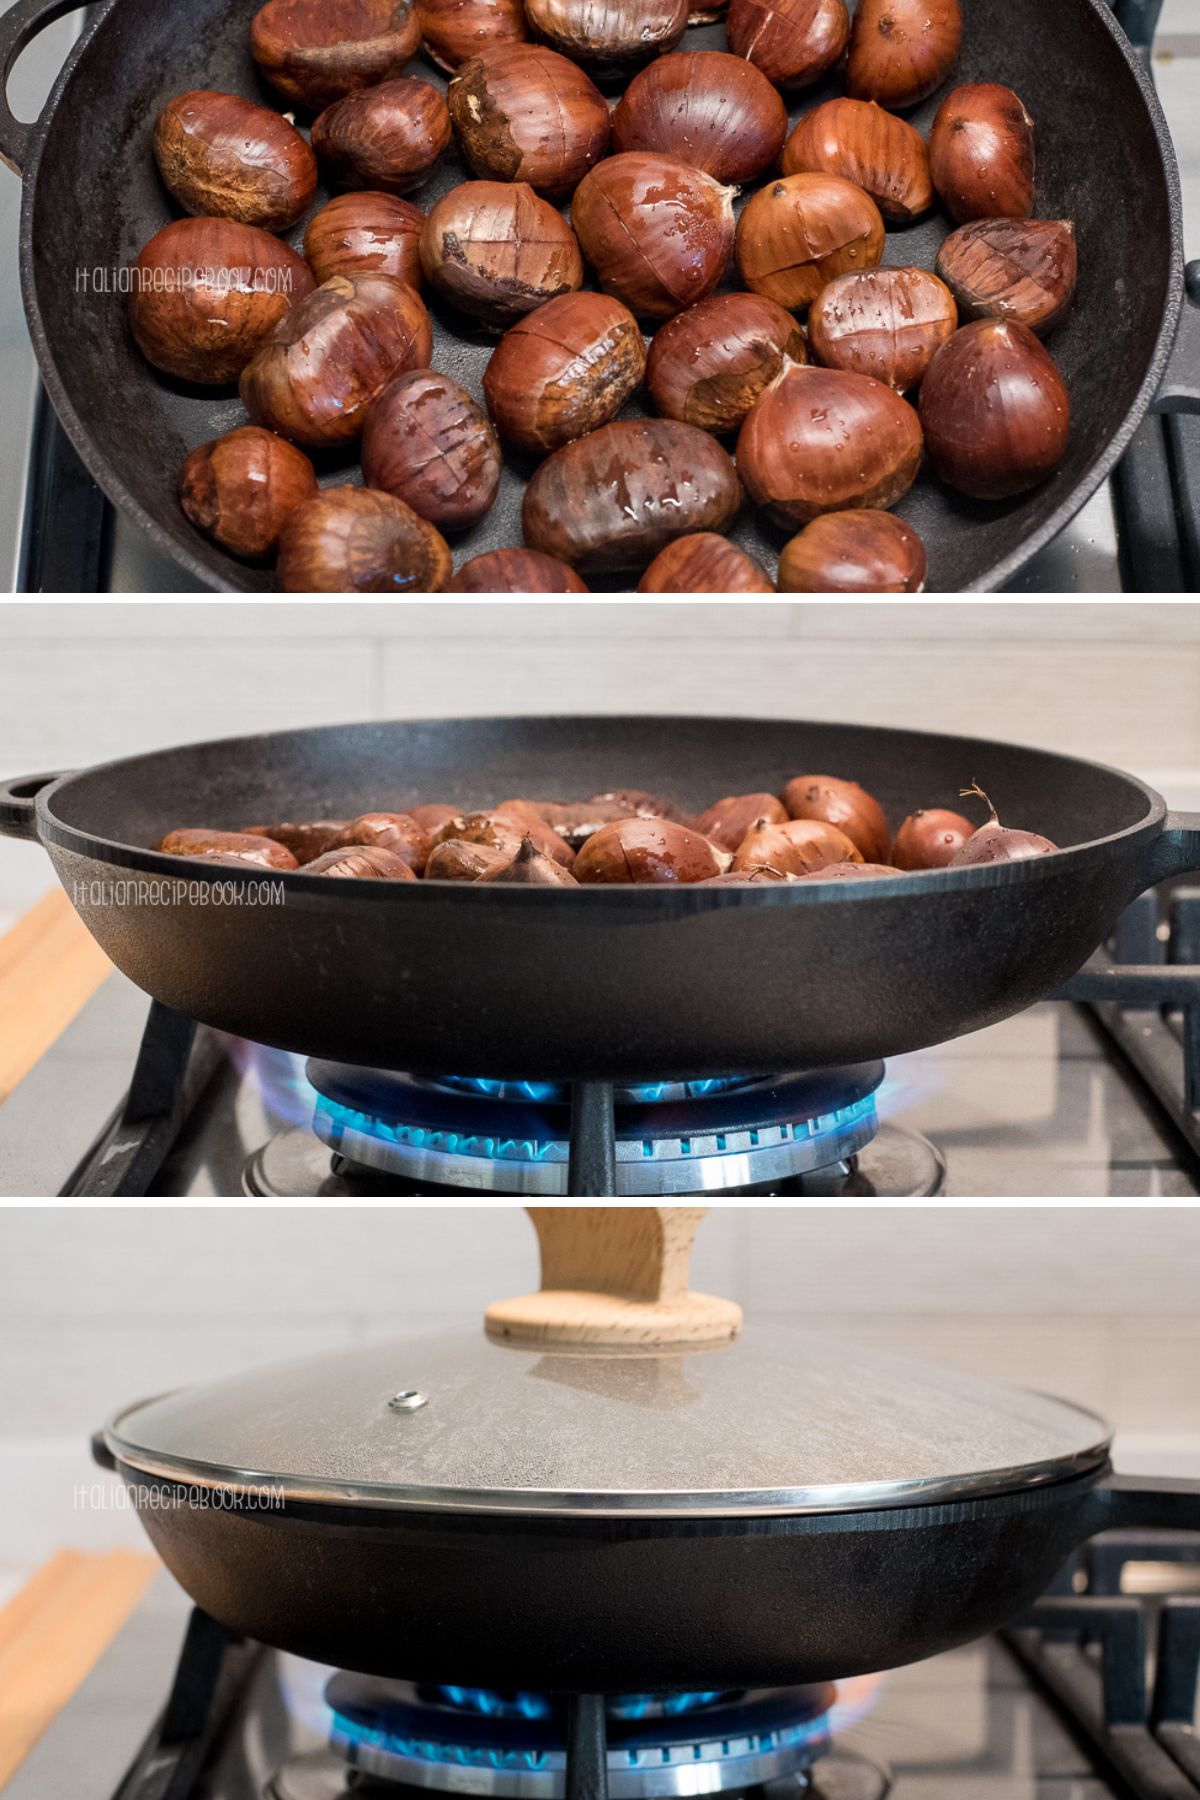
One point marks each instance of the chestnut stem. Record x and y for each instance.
(977, 791)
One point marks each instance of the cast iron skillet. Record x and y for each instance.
(93, 198)
(622, 982)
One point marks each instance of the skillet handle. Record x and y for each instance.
(18, 27)
(1146, 1502)
(17, 804)
(1180, 389)
(1176, 851)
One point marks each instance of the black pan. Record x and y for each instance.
(632, 983)
(93, 198)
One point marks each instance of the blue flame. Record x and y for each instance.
(498, 1706)
(638, 1706)
(419, 1137)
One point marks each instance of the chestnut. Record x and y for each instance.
(576, 821)
(361, 862)
(845, 804)
(515, 572)
(366, 233)
(524, 113)
(398, 832)
(531, 867)
(613, 499)
(981, 153)
(433, 816)
(206, 293)
(456, 30)
(496, 250)
(792, 42)
(427, 442)
(727, 821)
(883, 155)
(358, 541)
(824, 440)
(221, 154)
(324, 363)
(794, 848)
(862, 552)
(798, 233)
(494, 830)
(1022, 270)
(610, 37)
(657, 232)
(995, 411)
(387, 137)
(713, 111)
(704, 563)
(306, 842)
(646, 850)
(930, 838)
(882, 322)
(314, 51)
(645, 805)
(851, 871)
(900, 50)
(456, 860)
(746, 877)
(563, 371)
(240, 488)
(708, 365)
(242, 846)
(995, 842)
(527, 816)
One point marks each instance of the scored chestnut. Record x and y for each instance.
(221, 154)
(433, 815)
(862, 552)
(456, 860)
(858, 140)
(427, 442)
(241, 488)
(314, 51)
(489, 830)
(359, 541)
(531, 867)
(366, 233)
(563, 370)
(713, 111)
(796, 847)
(900, 50)
(515, 572)
(845, 804)
(981, 153)
(1022, 270)
(882, 322)
(930, 838)
(658, 233)
(798, 233)
(387, 137)
(727, 821)
(646, 850)
(609, 37)
(708, 365)
(397, 832)
(361, 862)
(240, 846)
(995, 411)
(704, 563)
(496, 250)
(307, 841)
(792, 42)
(522, 112)
(456, 30)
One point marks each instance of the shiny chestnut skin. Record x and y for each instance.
(398, 832)
(531, 867)
(713, 111)
(456, 30)
(388, 137)
(638, 850)
(221, 154)
(727, 821)
(492, 830)
(307, 841)
(657, 233)
(930, 839)
(241, 488)
(994, 843)
(882, 322)
(794, 848)
(456, 860)
(366, 233)
(241, 846)
(361, 862)
(845, 804)
(609, 37)
(851, 871)
(529, 819)
(324, 363)
(995, 411)
(797, 233)
(861, 552)
(615, 498)
(359, 541)
(792, 42)
(433, 815)
(901, 50)
(708, 365)
(981, 153)
(563, 371)
(883, 155)
(427, 442)
(823, 440)
(314, 51)
(204, 330)
(1021, 270)
(515, 572)
(522, 112)
(496, 250)
(704, 563)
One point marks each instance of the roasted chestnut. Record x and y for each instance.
(930, 839)
(493, 830)
(240, 488)
(657, 232)
(645, 805)
(861, 552)
(456, 860)
(656, 850)
(529, 817)
(240, 846)
(306, 842)
(727, 821)
(456, 30)
(713, 111)
(496, 250)
(323, 365)
(398, 832)
(704, 563)
(427, 442)
(882, 322)
(794, 848)
(221, 154)
(798, 233)
(531, 867)
(524, 113)
(433, 816)
(366, 233)
(900, 50)
(206, 293)
(792, 42)
(823, 440)
(708, 365)
(995, 842)
(981, 153)
(862, 143)
(387, 137)
(844, 804)
(515, 572)
(563, 370)
(610, 37)
(1022, 270)
(361, 862)
(613, 499)
(995, 411)
(314, 51)
(359, 541)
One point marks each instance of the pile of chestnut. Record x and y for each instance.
(817, 387)
(821, 828)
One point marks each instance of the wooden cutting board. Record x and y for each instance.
(49, 966)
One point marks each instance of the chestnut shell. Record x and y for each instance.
(361, 862)
(797, 233)
(704, 563)
(882, 322)
(995, 411)
(314, 51)
(398, 833)
(366, 233)
(930, 839)
(610, 37)
(981, 153)
(713, 111)
(456, 30)
(427, 442)
(221, 154)
(646, 850)
(522, 112)
(708, 365)
(901, 50)
(241, 488)
(658, 233)
(860, 552)
(237, 846)
(792, 42)
(515, 572)
(833, 800)
(563, 371)
(359, 541)
(856, 139)
(496, 250)
(1022, 270)
(387, 137)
